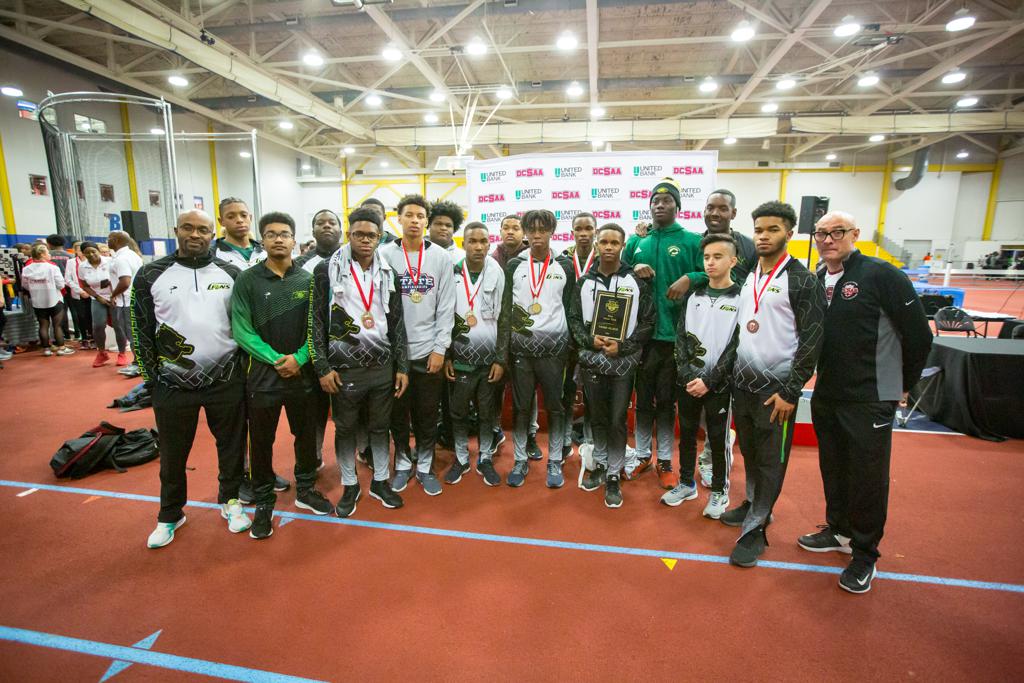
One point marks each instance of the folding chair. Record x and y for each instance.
(928, 378)
(953, 319)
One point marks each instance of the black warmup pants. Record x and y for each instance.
(320, 407)
(607, 399)
(418, 406)
(765, 446)
(81, 315)
(549, 373)
(177, 416)
(264, 408)
(656, 399)
(472, 386)
(854, 446)
(65, 324)
(716, 424)
(370, 390)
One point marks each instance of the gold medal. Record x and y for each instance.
(535, 308)
(753, 327)
(368, 321)
(415, 297)
(471, 319)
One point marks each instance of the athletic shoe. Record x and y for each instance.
(6, 355)
(587, 456)
(666, 477)
(517, 476)
(857, 577)
(642, 465)
(735, 516)
(533, 451)
(122, 360)
(65, 351)
(825, 541)
(47, 352)
(455, 472)
(431, 484)
(281, 484)
(706, 473)
(164, 533)
(263, 522)
(382, 491)
(246, 495)
(130, 371)
(718, 503)
(314, 501)
(593, 479)
(401, 480)
(749, 548)
(566, 452)
(555, 478)
(497, 439)
(238, 521)
(102, 358)
(347, 504)
(679, 494)
(485, 468)
(612, 492)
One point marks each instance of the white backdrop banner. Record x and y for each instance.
(614, 186)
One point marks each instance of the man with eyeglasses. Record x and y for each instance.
(269, 312)
(876, 344)
(181, 326)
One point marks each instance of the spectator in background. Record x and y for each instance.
(94, 280)
(24, 249)
(513, 241)
(4, 353)
(123, 266)
(105, 249)
(77, 300)
(59, 257)
(378, 206)
(42, 280)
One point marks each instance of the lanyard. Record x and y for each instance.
(576, 262)
(367, 302)
(758, 295)
(470, 298)
(408, 264)
(536, 286)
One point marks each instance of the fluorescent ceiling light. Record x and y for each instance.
(312, 59)
(597, 112)
(574, 89)
(830, 157)
(178, 81)
(961, 21)
(786, 83)
(867, 80)
(156, 131)
(743, 32)
(954, 77)
(847, 27)
(597, 143)
(877, 137)
(708, 85)
(374, 100)
(729, 140)
(349, 150)
(476, 47)
(566, 41)
(245, 155)
(503, 93)
(437, 96)
(968, 101)
(962, 155)
(306, 167)
(391, 53)
(11, 91)
(285, 125)
(430, 117)
(769, 107)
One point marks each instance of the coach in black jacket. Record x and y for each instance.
(877, 340)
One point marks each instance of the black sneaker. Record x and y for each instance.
(593, 479)
(566, 452)
(381, 490)
(347, 504)
(455, 472)
(825, 541)
(246, 495)
(749, 548)
(366, 457)
(314, 501)
(532, 449)
(281, 484)
(612, 492)
(857, 577)
(736, 516)
(485, 468)
(262, 522)
(497, 439)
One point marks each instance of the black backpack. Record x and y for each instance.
(104, 447)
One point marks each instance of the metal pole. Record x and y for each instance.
(257, 198)
(172, 160)
(945, 277)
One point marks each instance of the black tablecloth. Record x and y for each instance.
(981, 389)
(1006, 331)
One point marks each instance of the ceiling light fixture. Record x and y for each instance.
(177, 81)
(476, 47)
(574, 89)
(285, 125)
(962, 154)
(743, 32)
(430, 117)
(156, 131)
(306, 167)
(374, 100)
(312, 58)
(597, 112)
(769, 107)
(708, 84)
(848, 27)
(597, 143)
(830, 157)
(503, 93)
(786, 83)
(877, 137)
(437, 96)
(868, 80)
(729, 140)
(954, 76)
(11, 91)
(961, 21)
(566, 42)
(349, 150)
(391, 53)
(245, 155)
(968, 101)
(384, 164)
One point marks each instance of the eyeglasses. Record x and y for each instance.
(271, 236)
(189, 229)
(363, 236)
(836, 235)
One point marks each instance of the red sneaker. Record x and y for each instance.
(122, 359)
(101, 359)
(666, 477)
(642, 466)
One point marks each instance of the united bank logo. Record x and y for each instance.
(566, 214)
(604, 193)
(568, 171)
(646, 171)
(488, 198)
(529, 172)
(495, 216)
(565, 194)
(688, 170)
(605, 215)
(606, 170)
(492, 176)
(529, 193)
(642, 215)
(688, 192)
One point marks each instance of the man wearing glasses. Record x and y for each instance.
(876, 342)
(269, 312)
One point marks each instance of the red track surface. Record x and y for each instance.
(338, 602)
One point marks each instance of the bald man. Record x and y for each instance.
(876, 342)
(181, 320)
(123, 267)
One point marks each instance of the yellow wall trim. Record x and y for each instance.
(5, 192)
(990, 208)
(129, 157)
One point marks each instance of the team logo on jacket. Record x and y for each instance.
(850, 290)
(673, 250)
(218, 285)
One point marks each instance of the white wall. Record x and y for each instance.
(1009, 218)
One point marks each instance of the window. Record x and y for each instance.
(38, 185)
(106, 193)
(86, 124)
(154, 198)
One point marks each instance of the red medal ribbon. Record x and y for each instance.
(465, 284)
(757, 278)
(536, 286)
(408, 265)
(576, 262)
(366, 302)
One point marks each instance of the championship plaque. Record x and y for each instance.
(611, 315)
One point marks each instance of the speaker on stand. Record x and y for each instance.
(136, 224)
(812, 208)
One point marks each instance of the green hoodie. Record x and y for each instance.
(672, 252)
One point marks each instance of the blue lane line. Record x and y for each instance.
(545, 543)
(147, 657)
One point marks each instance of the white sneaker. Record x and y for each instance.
(47, 352)
(6, 355)
(65, 351)
(238, 521)
(164, 533)
(718, 503)
(706, 473)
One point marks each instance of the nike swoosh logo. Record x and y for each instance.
(910, 302)
(884, 424)
(864, 580)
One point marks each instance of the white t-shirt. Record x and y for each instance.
(97, 277)
(830, 283)
(44, 283)
(124, 262)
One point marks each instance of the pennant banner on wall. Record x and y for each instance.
(614, 186)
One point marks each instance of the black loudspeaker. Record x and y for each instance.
(811, 210)
(136, 224)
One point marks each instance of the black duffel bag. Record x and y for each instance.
(104, 447)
